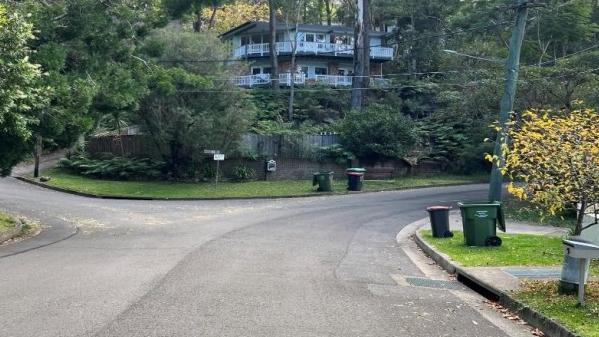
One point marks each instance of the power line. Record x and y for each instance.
(463, 31)
(320, 89)
(582, 51)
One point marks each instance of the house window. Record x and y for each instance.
(256, 39)
(280, 37)
(305, 70)
(344, 39)
(261, 70)
(320, 38)
(245, 40)
(320, 71)
(309, 37)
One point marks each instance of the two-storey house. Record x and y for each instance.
(324, 54)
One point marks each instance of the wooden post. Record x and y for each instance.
(582, 264)
(217, 172)
(37, 155)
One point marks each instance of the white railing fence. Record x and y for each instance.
(301, 78)
(316, 48)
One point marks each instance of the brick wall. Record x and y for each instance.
(304, 169)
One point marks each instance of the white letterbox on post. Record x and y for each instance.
(271, 166)
(582, 251)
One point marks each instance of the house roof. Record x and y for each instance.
(261, 27)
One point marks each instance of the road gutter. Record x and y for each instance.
(534, 318)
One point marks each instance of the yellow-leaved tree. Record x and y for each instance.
(553, 161)
(231, 15)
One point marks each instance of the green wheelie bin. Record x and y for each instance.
(480, 221)
(324, 180)
(355, 178)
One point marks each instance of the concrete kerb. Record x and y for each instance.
(115, 197)
(531, 316)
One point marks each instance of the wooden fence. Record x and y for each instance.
(286, 146)
(127, 145)
(301, 147)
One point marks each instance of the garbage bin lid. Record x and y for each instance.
(357, 174)
(356, 169)
(438, 208)
(478, 204)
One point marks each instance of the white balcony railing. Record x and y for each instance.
(301, 78)
(316, 48)
(265, 79)
(334, 80)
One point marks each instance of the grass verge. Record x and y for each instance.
(543, 296)
(7, 223)
(516, 250)
(62, 179)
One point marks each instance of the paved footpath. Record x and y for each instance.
(327, 266)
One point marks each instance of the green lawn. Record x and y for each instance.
(544, 297)
(516, 250)
(78, 183)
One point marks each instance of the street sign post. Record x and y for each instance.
(218, 157)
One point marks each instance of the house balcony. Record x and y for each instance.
(310, 48)
(300, 78)
(265, 79)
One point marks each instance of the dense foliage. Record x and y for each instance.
(114, 168)
(378, 132)
(19, 92)
(556, 156)
(69, 68)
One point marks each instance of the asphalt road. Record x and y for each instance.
(290, 267)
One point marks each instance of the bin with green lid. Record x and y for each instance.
(355, 178)
(324, 180)
(480, 221)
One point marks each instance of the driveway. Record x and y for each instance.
(291, 267)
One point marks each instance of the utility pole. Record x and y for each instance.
(509, 95)
(361, 77)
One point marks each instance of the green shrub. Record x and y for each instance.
(378, 132)
(243, 173)
(118, 168)
(336, 153)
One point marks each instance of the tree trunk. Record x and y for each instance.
(580, 218)
(37, 154)
(274, 62)
(361, 55)
(328, 10)
(292, 74)
(212, 16)
(197, 25)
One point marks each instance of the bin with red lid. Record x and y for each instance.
(355, 178)
(439, 216)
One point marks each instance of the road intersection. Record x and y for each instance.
(323, 266)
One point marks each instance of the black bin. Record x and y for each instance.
(439, 216)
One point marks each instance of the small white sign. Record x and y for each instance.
(219, 156)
